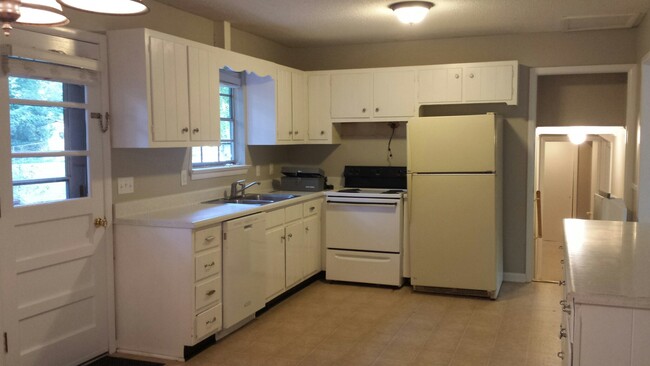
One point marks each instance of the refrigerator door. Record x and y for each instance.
(454, 144)
(453, 231)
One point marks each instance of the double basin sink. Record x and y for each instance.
(253, 199)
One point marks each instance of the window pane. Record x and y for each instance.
(226, 152)
(45, 90)
(38, 180)
(42, 128)
(224, 90)
(226, 130)
(224, 106)
(39, 193)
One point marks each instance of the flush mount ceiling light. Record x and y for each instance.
(577, 136)
(111, 7)
(411, 12)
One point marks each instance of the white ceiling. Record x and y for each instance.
(307, 23)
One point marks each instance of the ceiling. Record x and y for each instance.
(310, 23)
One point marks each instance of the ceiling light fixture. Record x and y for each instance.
(411, 12)
(577, 136)
(49, 12)
(111, 7)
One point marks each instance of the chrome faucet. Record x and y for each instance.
(240, 186)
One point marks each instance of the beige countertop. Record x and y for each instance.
(608, 263)
(194, 215)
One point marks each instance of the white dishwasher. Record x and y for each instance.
(244, 260)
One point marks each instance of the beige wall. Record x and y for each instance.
(643, 38)
(587, 100)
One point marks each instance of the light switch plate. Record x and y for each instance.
(183, 177)
(125, 185)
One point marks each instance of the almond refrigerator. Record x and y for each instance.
(455, 204)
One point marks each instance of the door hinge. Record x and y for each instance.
(6, 342)
(224, 236)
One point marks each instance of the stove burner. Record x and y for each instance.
(350, 190)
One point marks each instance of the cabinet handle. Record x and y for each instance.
(322, 132)
(312, 208)
(283, 237)
(210, 238)
(560, 355)
(196, 130)
(206, 266)
(214, 319)
(211, 292)
(185, 130)
(562, 332)
(563, 303)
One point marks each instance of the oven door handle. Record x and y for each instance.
(363, 203)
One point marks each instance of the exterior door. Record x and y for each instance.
(53, 256)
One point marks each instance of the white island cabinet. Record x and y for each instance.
(606, 309)
(164, 90)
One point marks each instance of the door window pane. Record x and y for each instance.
(45, 128)
(45, 90)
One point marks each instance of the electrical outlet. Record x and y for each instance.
(183, 177)
(257, 171)
(125, 185)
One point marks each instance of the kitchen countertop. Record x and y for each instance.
(608, 263)
(199, 214)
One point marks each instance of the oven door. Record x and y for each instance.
(360, 223)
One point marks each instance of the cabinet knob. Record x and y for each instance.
(185, 130)
(290, 236)
(457, 76)
(562, 333)
(322, 132)
(283, 237)
(376, 109)
(307, 228)
(363, 110)
(290, 132)
(196, 130)
(295, 132)
(471, 76)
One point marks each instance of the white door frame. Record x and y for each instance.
(630, 126)
(101, 41)
(643, 142)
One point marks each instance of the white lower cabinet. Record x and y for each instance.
(168, 288)
(293, 239)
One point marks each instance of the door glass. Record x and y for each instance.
(48, 140)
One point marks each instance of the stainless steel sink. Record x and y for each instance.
(253, 199)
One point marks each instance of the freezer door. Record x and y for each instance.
(453, 231)
(454, 144)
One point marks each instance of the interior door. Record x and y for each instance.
(558, 183)
(53, 256)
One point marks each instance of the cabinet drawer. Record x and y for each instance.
(208, 322)
(207, 264)
(312, 207)
(207, 238)
(207, 293)
(274, 218)
(293, 213)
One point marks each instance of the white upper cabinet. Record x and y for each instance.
(164, 90)
(489, 82)
(277, 107)
(320, 128)
(381, 95)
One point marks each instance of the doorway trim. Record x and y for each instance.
(630, 149)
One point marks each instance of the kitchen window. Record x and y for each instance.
(228, 157)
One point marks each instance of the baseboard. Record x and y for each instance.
(514, 277)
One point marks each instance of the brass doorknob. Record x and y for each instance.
(101, 222)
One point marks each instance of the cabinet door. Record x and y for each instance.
(283, 90)
(312, 244)
(394, 94)
(299, 106)
(320, 123)
(275, 274)
(169, 90)
(351, 95)
(488, 84)
(203, 95)
(295, 249)
(440, 85)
